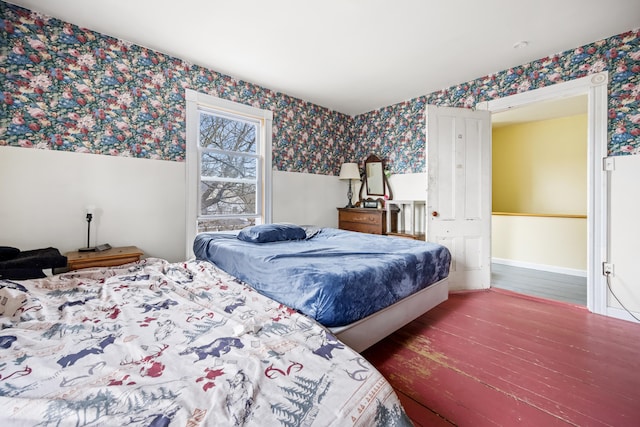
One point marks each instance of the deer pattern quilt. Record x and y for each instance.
(155, 343)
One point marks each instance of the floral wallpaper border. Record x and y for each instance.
(69, 88)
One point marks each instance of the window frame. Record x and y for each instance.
(197, 102)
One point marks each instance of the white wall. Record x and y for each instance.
(308, 199)
(409, 186)
(141, 202)
(624, 250)
(43, 195)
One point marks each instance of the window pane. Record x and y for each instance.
(227, 134)
(226, 224)
(227, 198)
(228, 166)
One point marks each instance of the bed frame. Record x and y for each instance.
(364, 333)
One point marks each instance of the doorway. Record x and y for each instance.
(595, 87)
(539, 231)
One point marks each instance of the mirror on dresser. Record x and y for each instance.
(374, 183)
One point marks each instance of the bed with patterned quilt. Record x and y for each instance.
(340, 278)
(155, 343)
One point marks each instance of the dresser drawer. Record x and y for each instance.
(373, 218)
(362, 227)
(364, 220)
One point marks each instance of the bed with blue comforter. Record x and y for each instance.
(335, 276)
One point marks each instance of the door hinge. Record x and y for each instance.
(608, 164)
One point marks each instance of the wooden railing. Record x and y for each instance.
(539, 215)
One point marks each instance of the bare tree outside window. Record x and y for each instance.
(228, 170)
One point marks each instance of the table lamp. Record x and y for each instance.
(349, 171)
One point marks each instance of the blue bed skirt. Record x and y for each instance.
(336, 277)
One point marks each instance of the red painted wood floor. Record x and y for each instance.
(499, 359)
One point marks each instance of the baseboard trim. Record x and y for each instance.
(622, 314)
(542, 267)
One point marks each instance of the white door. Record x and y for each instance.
(459, 191)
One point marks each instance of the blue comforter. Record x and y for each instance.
(336, 277)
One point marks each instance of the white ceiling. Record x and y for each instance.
(352, 56)
(543, 110)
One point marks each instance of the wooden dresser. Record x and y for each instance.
(365, 220)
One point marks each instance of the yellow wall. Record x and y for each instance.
(541, 167)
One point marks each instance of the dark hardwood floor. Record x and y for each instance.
(543, 284)
(497, 358)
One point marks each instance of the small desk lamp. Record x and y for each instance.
(349, 171)
(90, 210)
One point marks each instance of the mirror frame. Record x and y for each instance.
(386, 189)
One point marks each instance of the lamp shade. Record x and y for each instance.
(349, 171)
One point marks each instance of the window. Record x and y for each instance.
(228, 165)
